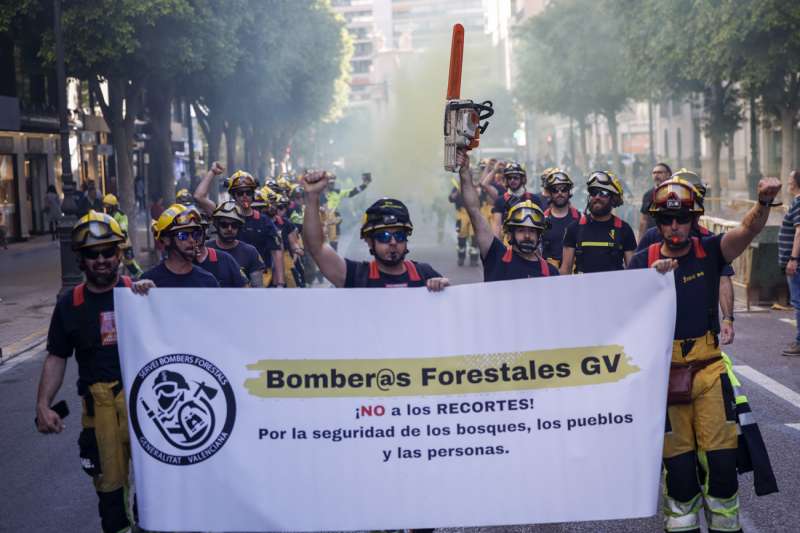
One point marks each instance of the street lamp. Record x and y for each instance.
(70, 273)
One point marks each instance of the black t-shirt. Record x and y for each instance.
(83, 323)
(502, 264)
(652, 236)
(647, 199)
(367, 274)
(224, 267)
(260, 231)
(285, 227)
(163, 277)
(506, 200)
(696, 286)
(553, 238)
(246, 256)
(600, 246)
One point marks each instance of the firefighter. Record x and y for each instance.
(83, 324)
(111, 207)
(465, 235)
(184, 197)
(385, 228)
(701, 427)
(228, 222)
(515, 179)
(179, 229)
(524, 224)
(600, 241)
(560, 215)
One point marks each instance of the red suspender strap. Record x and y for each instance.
(704, 231)
(583, 220)
(574, 213)
(506, 196)
(507, 256)
(545, 267)
(411, 268)
(279, 220)
(127, 281)
(374, 273)
(617, 222)
(256, 214)
(212, 255)
(699, 252)
(78, 295)
(653, 253)
(547, 212)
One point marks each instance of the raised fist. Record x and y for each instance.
(768, 189)
(217, 168)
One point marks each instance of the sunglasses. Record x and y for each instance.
(227, 225)
(245, 192)
(94, 253)
(386, 236)
(184, 235)
(666, 220)
(599, 192)
(561, 188)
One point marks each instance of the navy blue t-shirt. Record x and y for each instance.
(495, 268)
(506, 200)
(163, 277)
(260, 231)
(696, 285)
(553, 238)
(367, 274)
(652, 236)
(600, 246)
(224, 267)
(246, 256)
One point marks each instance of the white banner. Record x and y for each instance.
(514, 402)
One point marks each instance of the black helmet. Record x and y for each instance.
(386, 213)
(514, 169)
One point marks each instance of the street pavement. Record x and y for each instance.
(42, 488)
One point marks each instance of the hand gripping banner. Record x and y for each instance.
(526, 401)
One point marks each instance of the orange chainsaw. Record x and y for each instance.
(462, 118)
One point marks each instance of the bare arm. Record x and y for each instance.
(329, 262)
(727, 331)
(497, 224)
(485, 184)
(483, 232)
(567, 261)
(278, 277)
(739, 238)
(51, 380)
(201, 192)
(256, 278)
(627, 256)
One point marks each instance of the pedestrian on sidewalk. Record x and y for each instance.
(52, 207)
(789, 255)
(3, 233)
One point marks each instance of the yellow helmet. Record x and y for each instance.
(95, 229)
(284, 183)
(607, 181)
(241, 180)
(110, 199)
(176, 217)
(525, 214)
(258, 200)
(184, 197)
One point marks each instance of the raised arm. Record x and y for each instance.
(472, 203)
(736, 241)
(329, 262)
(201, 192)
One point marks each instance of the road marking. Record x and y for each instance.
(791, 321)
(779, 390)
(794, 426)
(22, 358)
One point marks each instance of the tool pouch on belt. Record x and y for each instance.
(681, 378)
(89, 452)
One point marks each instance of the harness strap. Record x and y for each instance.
(508, 255)
(212, 255)
(374, 273)
(653, 253)
(78, 295)
(699, 251)
(545, 268)
(411, 268)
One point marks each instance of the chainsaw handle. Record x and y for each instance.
(485, 110)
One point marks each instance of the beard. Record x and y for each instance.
(600, 210)
(676, 243)
(226, 238)
(391, 259)
(102, 279)
(559, 201)
(527, 247)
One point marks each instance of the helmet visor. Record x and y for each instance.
(526, 216)
(673, 196)
(95, 228)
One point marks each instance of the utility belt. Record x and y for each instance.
(690, 356)
(87, 392)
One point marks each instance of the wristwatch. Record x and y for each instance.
(769, 203)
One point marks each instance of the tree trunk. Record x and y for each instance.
(651, 133)
(122, 96)
(159, 102)
(788, 116)
(611, 118)
(231, 133)
(581, 157)
(716, 183)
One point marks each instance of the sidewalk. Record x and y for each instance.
(30, 277)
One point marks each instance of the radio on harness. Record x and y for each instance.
(462, 118)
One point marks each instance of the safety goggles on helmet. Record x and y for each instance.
(386, 236)
(514, 170)
(557, 178)
(526, 214)
(600, 192)
(675, 194)
(177, 217)
(228, 210)
(94, 229)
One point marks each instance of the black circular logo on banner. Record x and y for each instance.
(182, 409)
